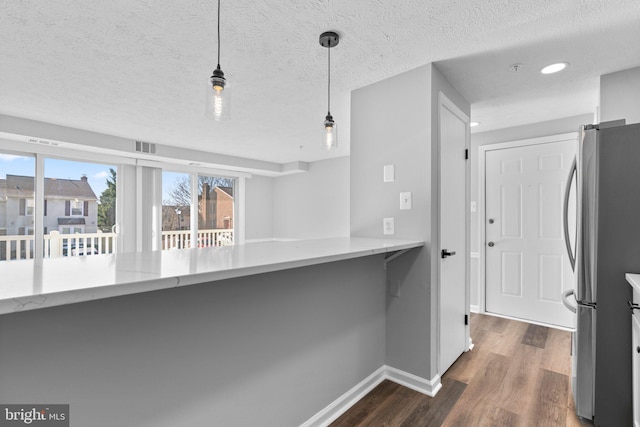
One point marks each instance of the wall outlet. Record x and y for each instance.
(388, 226)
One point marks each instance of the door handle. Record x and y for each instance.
(491, 244)
(633, 306)
(445, 253)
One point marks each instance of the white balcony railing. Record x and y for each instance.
(16, 247)
(181, 239)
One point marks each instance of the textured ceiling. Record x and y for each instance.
(139, 68)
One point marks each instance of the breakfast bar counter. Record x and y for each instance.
(33, 284)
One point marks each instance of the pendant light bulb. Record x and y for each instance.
(218, 96)
(329, 39)
(330, 133)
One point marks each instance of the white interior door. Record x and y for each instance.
(453, 234)
(526, 266)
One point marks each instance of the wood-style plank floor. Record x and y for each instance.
(517, 374)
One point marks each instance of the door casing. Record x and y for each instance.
(446, 103)
(482, 150)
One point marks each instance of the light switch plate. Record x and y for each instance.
(388, 226)
(389, 173)
(405, 200)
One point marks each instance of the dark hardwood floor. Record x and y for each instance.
(517, 374)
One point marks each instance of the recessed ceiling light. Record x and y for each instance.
(474, 124)
(554, 68)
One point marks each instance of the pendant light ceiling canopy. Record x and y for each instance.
(329, 39)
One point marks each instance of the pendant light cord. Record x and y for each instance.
(218, 33)
(329, 83)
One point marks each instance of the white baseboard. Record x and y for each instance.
(474, 309)
(414, 382)
(339, 406)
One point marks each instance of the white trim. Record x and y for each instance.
(239, 215)
(414, 382)
(570, 136)
(342, 404)
(339, 406)
(474, 309)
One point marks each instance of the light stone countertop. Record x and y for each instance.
(634, 280)
(31, 284)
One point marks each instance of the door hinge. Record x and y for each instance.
(466, 154)
(466, 319)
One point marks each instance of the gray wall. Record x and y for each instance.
(535, 130)
(619, 97)
(265, 350)
(391, 123)
(313, 204)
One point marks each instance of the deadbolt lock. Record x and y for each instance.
(491, 221)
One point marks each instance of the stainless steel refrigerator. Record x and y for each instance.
(606, 246)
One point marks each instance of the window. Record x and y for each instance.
(29, 205)
(74, 204)
(76, 207)
(215, 211)
(176, 210)
(214, 202)
(80, 200)
(17, 192)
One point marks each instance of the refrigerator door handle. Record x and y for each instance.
(565, 301)
(565, 214)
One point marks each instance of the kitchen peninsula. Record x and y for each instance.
(267, 333)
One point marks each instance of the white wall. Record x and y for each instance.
(620, 96)
(313, 204)
(258, 208)
(307, 205)
(401, 132)
(553, 127)
(264, 350)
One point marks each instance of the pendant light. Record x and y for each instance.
(329, 39)
(218, 96)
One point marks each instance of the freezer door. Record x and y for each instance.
(583, 361)
(587, 216)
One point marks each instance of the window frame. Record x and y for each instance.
(238, 197)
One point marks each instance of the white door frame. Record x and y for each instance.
(445, 102)
(482, 285)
